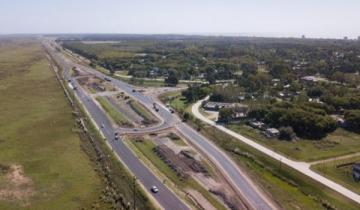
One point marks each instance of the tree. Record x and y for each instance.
(172, 79)
(211, 77)
(186, 116)
(249, 68)
(226, 114)
(287, 133)
(279, 70)
(352, 119)
(195, 92)
(315, 91)
(306, 121)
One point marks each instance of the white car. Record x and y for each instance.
(154, 189)
(102, 125)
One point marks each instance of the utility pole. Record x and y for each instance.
(134, 191)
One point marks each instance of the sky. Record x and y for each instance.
(285, 18)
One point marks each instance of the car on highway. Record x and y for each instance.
(154, 189)
(102, 125)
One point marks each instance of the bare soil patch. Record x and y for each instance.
(16, 186)
(95, 85)
(187, 162)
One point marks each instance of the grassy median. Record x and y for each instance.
(117, 116)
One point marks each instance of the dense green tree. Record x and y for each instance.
(352, 118)
(172, 79)
(226, 114)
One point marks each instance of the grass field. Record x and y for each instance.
(37, 136)
(118, 118)
(287, 187)
(342, 175)
(146, 148)
(176, 101)
(340, 142)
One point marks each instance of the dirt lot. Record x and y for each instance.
(187, 162)
(95, 85)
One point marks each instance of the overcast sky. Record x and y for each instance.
(314, 18)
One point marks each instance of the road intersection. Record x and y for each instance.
(249, 192)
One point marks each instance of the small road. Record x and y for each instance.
(166, 198)
(302, 167)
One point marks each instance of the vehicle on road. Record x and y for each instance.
(102, 125)
(155, 107)
(154, 189)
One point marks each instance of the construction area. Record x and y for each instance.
(187, 169)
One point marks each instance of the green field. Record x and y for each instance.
(146, 148)
(340, 142)
(176, 101)
(342, 175)
(118, 117)
(287, 187)
(37, 135)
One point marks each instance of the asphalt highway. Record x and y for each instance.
(232, 172)
(166, 198)
(235, 176)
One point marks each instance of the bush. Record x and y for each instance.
(287, 133)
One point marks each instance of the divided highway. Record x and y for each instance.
(252, 196)
(166, 198)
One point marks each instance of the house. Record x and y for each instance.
(313, 79)
(154, 72)
(241, 111)
(339, 120)
(315, 100)
(356, 172)
(241, 98)
(257, 125)
(216, 106)
(272, 133)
